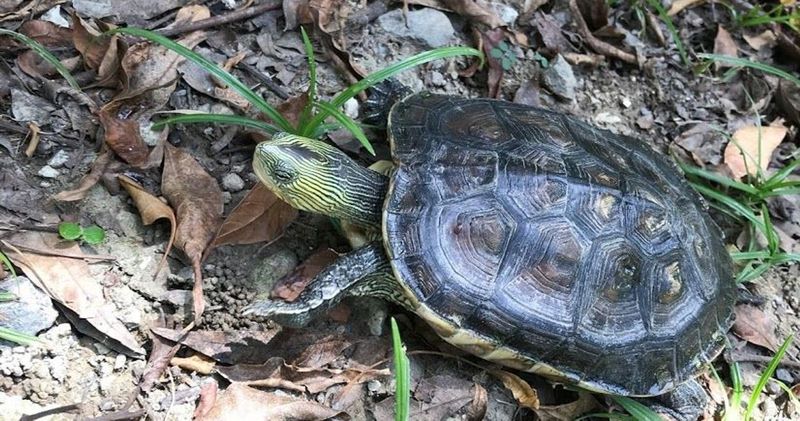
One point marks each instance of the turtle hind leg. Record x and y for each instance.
(382, 97)
(341, 278)
(687, 402)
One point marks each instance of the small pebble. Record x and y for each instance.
(626, 102)
(48, 172)
(119, 362)
(58, 159)
(351, 108)
(437, 79)
(232, 182)
(784, 375)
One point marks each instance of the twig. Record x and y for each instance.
(52, 411)
(120, 415)
(222, 19)
(266, 80)
(597, 45)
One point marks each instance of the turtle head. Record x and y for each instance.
(313, 176)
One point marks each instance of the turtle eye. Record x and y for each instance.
(282, 175)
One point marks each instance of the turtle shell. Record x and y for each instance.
(537, 241)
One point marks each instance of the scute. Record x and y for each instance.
(530, 238)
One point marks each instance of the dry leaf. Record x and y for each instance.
(595, 13)
(724, 45)
(742, 152)
(568, 411)
(123, 137)
(34, 65)
(158, 360)
(477, 408)
(68, 281)
(787, 97)
(198, 363)
(522, 391)
(290, 286)
(236, 347)
(679, 5)
(764, 39)
(260, 216)
(46, 33)
(150, 209)
(208, 396)
(476, 10)
(197, 200)
(492, 39)
(239, 402)
(755, 326)
(99, 167)
(292, 108)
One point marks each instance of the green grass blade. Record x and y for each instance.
(662, 14)
(718, 178)
(781, 174)
(736, 61)
(217, 118)
(312, 81)
(403, 376)
(347, 123)
(215, 70)
(7, 296)
(44, 54)
(7, 263)
(736, 392)
(388, 72)
(750, 255)
(765, 376)
(737, 207)
(773, 242)
(17, 337)
(752, 272)
(637, 409)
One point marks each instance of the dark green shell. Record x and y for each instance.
(576, 248)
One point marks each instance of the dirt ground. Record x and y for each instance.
(109, 320)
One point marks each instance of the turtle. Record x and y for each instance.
(526, 237)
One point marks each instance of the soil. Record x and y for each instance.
(660, 101)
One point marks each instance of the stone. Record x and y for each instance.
(232, 182)
(429, 26)
(48, 172)
(351, 108)
(58, 159)
(30, 313)
(560, 79)
(505, 12)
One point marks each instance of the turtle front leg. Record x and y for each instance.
(361, 272)
(685, 403)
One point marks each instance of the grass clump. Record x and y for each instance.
(311, 122)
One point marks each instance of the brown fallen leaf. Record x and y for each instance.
(755, 326)
(292, 108)
(158, 360)
(46, 33)
(150, 209)
(568, 411)
(595, 13)
(679, 5)
(198, 363)
(124, 138)
(208, 396)
(68, 281)
(750, 149)
(724, 45)
(260, 217)
(103, 54)
(246, 403)
(766, 39)
(522, 391)
(475, 10)
(491, 39)
(197, 200)
(99, 167)
(549, 30)
(476, 410)
(236, 347)
(290, 286)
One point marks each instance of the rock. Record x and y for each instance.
(428, 26)
(505, 12)
(351, 108)
(48, 172)
(31, 312)
(437, 79)
(54, 16)
(232, 182)
(272, 268)
(560, 79)
(26, 107)
(119, 362)
(784, 375)
(58, 159)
